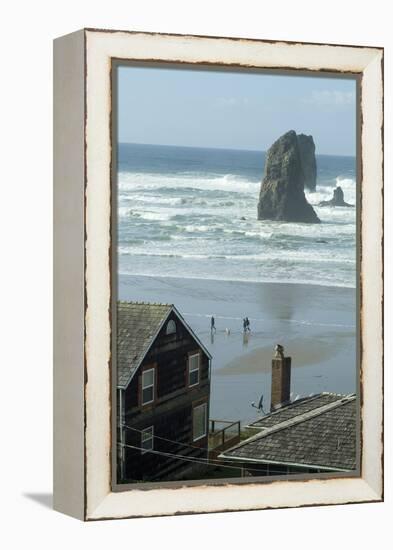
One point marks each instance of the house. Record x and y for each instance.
(310, 435)
(163, 391)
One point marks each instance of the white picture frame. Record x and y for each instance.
(83, 420)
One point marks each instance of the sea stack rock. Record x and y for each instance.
(309, 163)
(337, 200)
(282, 196)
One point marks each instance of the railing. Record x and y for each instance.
(223, 434)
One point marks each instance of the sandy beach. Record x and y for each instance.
(315, 324)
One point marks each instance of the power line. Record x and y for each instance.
(207, 462)
(168, 440)
(203, 461)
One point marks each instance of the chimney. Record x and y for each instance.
(281, 379)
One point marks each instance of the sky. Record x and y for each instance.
(234, 110)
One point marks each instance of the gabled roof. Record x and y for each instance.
(316, 432)
(138, 324)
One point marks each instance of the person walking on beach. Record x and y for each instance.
(248, 324)
(245, 324)
(212, 324)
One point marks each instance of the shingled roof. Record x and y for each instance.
(317, 432)
(137, 324)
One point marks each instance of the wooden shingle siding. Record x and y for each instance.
(175, 426)
(171, 411)
(171, 364)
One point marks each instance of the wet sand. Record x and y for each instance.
(315, 324)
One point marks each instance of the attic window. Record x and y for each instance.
(171, 327)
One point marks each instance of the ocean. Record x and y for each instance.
(192, 213)
(188, 235)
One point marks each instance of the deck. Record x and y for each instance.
(223, 434)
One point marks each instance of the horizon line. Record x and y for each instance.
(221, 148)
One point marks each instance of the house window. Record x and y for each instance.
(147, 386)
(199, 421)
(147, 438)
(193, 369)
(171, 327)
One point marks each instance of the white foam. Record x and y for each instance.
(187, 224)
(144, 181)
(242, 279)
(325, 192)
(304, 257)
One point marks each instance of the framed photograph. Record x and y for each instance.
(218, 274)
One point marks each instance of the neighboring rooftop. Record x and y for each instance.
(317, 432)
(296, 408)
(137, 325)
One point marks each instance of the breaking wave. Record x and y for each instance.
(202, 224)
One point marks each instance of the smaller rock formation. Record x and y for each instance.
(337, 200)
(282, 195)
(309, 163)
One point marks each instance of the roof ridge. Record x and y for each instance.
(297, 402)
(291, 405)
(264, 432)
(161, 318)
(142, 303)
(294, 403)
